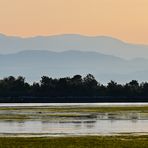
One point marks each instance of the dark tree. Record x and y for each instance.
(74, 87)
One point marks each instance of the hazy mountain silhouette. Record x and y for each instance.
(102, 44)
(33, 64)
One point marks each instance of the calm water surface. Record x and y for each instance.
(72, 104)
(75, 127)
(104, 123)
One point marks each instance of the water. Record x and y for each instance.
(98, 124)
(79, 127)
(71, 104)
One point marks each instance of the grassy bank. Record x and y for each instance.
(76, 142)
(78, 109)
(65, 111)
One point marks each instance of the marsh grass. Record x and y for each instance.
(22, 113)
(76, 142)
(77, 109)
(68, 111)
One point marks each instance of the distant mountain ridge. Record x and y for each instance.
(59, 43)
(35, 63)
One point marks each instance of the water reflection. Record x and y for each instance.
(122, 116)
(103, 124)
(89, 124)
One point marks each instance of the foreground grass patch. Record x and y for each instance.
(76, 142)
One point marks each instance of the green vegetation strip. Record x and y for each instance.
(9, 113)
(76, 142)
(76, 109)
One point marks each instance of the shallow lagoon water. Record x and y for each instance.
(75, 127)
(98, 123)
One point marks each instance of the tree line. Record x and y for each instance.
(76, 86)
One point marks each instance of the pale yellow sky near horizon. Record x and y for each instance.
(123, 19)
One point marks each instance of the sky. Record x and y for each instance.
(123, 19)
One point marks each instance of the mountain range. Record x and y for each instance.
(59, 43)
(107, 58)
(35, 63)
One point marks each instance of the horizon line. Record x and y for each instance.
(72, 34)
(60, 34)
